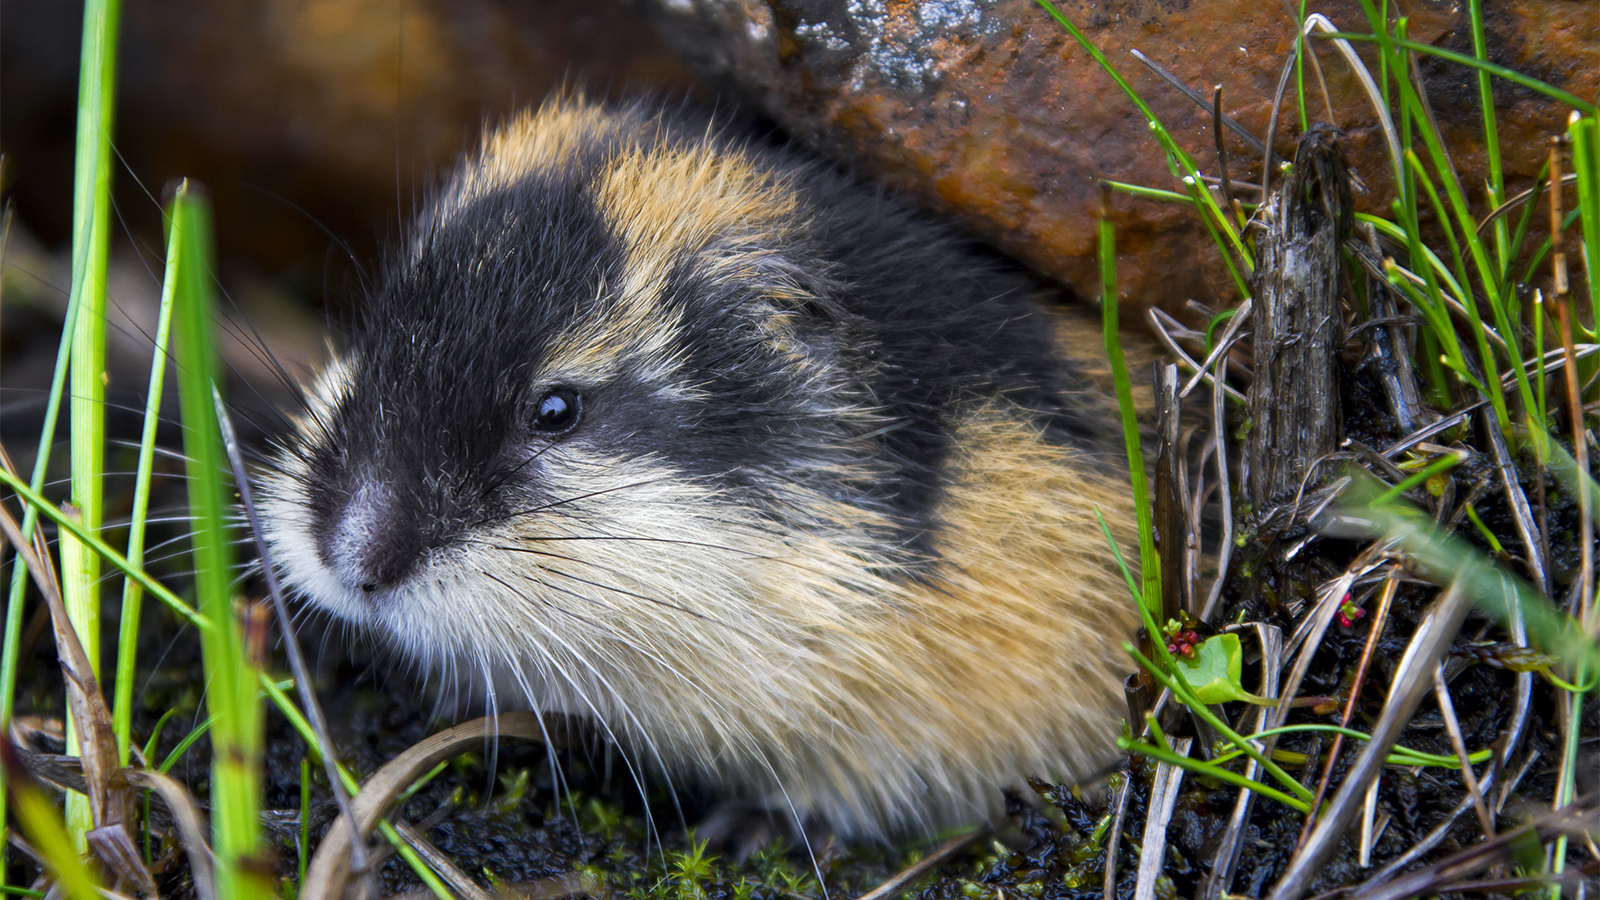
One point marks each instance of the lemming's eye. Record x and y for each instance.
(557, 412)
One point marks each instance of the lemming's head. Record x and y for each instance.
(603, 367)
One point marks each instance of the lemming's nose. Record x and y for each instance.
(376, 541)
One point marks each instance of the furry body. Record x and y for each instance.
(821, 532)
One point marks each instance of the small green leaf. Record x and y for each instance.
(1214, 671)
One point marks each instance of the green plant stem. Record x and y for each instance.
(1451, 355)
(1524, 220)
(1215, 771)
(1300, 66)
(1487, 272)
(1398, 235)
(302, 726)
(183, 745)
(305, 823)
(1398, 755)
(1566, 787)
(91, 231)
(1537, 258)
(1211, 216)
(132, 592)
(1182, 692)
(1491, 131)
(1116, 552)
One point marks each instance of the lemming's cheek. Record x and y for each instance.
(288, 524)
(323, 395)
(581, 487)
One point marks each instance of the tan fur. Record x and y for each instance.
(539, 140)
(802, 677)
(666, 204)
(802, 669)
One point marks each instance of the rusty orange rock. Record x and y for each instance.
(986, 110)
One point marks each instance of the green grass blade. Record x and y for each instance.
(1532, 84)
(1584, 133)
(132, 591)
(19, 570)
(236, 735)
(155, 733)
(46, 831)
(1439, 466)
(1488, 276)
(1462, 287)
(1148, 561)
(37, 502)
(1134, 590)
(1491, 132)
(1178, 160)
(1150, 193)
(183, 745)
(91, 232)
(1520, 236)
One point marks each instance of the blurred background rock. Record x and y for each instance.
(314, 124)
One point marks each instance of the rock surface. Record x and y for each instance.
(311, 118)
(987, 110)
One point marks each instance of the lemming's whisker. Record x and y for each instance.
(574, 499)
(499, 481)
(759, 752)
(43, 394)
(558, 774)
(492, 703)
(156, 520)
(157, 449)
(639, 648)
(258, 348)
(158, 666)
(622, 703)
(614, 589)
(52, 483)
(744, 554)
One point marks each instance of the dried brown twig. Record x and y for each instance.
(1411, 679)
(330, 869)
(110, 796)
